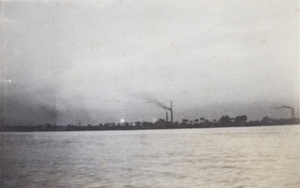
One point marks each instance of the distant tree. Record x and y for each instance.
(240, 119)
(225, 120)
(184, 121)
(48, 126)
(202, 119)
(146, 123)
(138, 123)
(161, 121)
(126, 124)
(196, 121)
(266, 120)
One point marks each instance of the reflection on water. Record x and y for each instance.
(219, 157)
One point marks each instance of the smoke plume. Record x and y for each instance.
(286, 107)
(160, 105)
(152, 100)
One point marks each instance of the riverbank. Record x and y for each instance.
(143, 126)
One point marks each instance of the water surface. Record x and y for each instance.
(217, 157)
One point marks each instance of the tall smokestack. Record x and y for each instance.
(171, 109)
(167, 118)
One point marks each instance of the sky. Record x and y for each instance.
(93, 62)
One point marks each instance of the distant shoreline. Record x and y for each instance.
(142, 126)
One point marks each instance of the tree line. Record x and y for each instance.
(224, 121)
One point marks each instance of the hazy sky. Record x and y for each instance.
(101, 61)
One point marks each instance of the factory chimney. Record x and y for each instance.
(171, 109)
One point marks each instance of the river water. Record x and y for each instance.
(216, 157)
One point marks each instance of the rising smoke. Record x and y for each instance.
(152, 100)
(159, 104)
